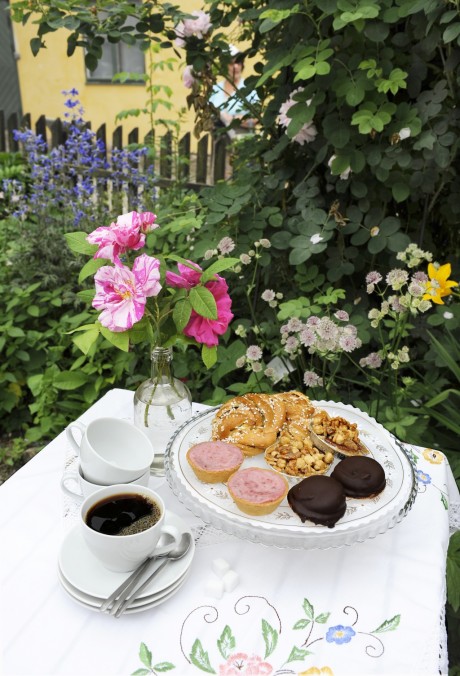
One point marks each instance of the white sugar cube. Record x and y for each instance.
(215, 588)
(220, 567)
(231, 580)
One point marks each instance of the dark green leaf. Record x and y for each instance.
(203, 302)
(35, 45)
(181, 314)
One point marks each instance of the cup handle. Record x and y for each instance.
(175, 534)
(70, 437)
(70, 478)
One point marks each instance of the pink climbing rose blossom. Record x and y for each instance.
(122, 293)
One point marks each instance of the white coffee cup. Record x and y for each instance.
(75, 485)
(123, 553)
(111, 450)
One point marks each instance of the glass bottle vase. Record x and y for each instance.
(161, 403)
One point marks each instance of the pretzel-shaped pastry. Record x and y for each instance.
(235, 412)
(263, 416)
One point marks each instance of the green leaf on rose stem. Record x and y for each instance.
(203, 302)
(90, 268)
(118, 339)
(181, 313)
(200, 658)
(86, 340)
(270, 637)
(226, 643)
(141, 672)
(218, 266)
(76, 241)
(209, 356)
(145, 655)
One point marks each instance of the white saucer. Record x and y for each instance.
(138, 606)
(98, 600)
(83, 571)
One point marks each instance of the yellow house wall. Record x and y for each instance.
(44, 77)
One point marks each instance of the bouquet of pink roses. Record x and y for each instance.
(139, 299)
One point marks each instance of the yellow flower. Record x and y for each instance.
(315, 671)
(439, 285)
(435, 457)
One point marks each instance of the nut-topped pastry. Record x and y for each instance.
(294, 454)
(336, 434)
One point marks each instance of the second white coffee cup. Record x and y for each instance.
(75, 485)
(109, 507)
(111, 450)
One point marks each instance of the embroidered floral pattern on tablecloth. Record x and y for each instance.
(232, 658)
(423, 477)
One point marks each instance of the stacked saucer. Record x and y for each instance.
(89, 583)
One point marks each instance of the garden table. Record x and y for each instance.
(375, 607)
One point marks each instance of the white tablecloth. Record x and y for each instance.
(373, 608)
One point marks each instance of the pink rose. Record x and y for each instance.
(122, 293)
(127, 234)
(207, 331)
(187, 277)
(204, 330)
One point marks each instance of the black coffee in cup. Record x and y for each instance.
(123, 514)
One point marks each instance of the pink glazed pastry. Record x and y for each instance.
(257, 491)
(214, 461)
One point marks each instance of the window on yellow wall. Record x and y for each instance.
(117, 58)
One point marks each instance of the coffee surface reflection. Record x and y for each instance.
(123, 514)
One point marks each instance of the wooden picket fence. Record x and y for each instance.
(204, 165)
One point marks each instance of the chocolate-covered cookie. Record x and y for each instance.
(361, 477)
(320, 499)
